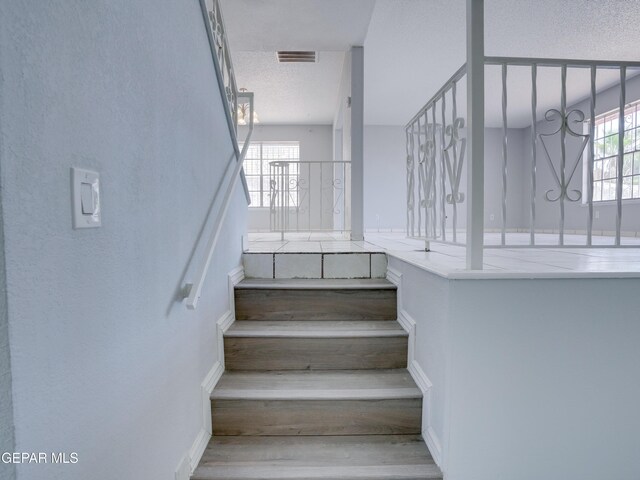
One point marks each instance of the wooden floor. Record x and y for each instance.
(317, 457)
(316, 387)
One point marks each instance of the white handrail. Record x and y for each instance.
(196, 289)
(220, 53)
(230, 95)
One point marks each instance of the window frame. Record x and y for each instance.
(264, 168)
(632, 109)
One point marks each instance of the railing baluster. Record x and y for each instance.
(434, 206)
(563, 147)
(454, 115)
(592, 132)
(503, 234)
(419, 169)
(623, 93)
(321, 200)
(408, 178)
(443, 192)
(282, 203)
(534, 149)
(425, 178)
(410, 181)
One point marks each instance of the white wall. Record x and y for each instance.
(531, 378)
(106, 359)
(385, 177)
(542, 379)
(315, 146)
(7, 444)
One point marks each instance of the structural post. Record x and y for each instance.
(357, 143)
(475, 134)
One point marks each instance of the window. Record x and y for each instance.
(605, 162)
(257, 169)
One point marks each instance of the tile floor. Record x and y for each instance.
(449, 261)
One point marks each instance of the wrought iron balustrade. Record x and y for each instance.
(557, 164)
(310, 196)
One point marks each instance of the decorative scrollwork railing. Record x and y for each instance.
(436, 151)
(435, 136)
(309, 196)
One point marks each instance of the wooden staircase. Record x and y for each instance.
(316, 387)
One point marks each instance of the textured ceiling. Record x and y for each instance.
(294, 93)
(321, 25)
(412, 47)
(291, 93)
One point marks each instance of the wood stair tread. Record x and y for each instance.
(317, 385)
(315, 283)
(324, 457)
(384, 472)
(316, 328)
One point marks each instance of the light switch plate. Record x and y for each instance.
(85, 198)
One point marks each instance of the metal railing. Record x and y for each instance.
(436, 150)
(310, 196)
(572, 129)
(561, 147)
(216, 33)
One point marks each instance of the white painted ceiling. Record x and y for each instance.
(294, 93)
(412, 47)
(291, 93)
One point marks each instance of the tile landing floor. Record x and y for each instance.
(449, 261)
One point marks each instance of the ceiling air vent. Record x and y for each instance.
(296, 57)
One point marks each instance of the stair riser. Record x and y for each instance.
(324, 304)
(264, 354)
(316, 417)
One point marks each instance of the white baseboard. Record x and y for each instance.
(183, 472)
(190, 461)
(395, 277)
(409, 325)
(433, 444)
(428, 433)
(235, 276)
(197, 449)
(421, 379)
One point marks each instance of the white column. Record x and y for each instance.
(475, 134)
(357, 143)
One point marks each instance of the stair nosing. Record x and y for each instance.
(388, 384)
(315, 329)
(424, 471)
(318, 334)
(307, 395)
(314, 284)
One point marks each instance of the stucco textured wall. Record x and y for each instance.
(7, 472)
(106, 361)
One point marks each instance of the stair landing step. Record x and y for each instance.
(315, 329)
(401, 457)
(317, 385)
(316, 283)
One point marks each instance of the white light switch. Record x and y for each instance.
(85, 198)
